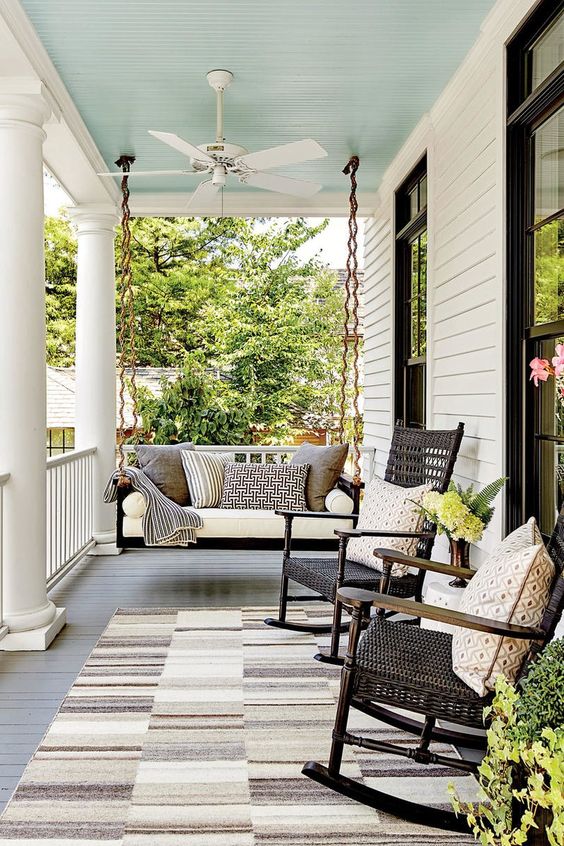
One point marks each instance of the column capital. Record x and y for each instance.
(26, 101)
(92, 218)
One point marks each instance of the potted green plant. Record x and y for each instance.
(461, 514)
(522, 774)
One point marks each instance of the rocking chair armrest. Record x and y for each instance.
(331, 515)
(392, 556)
(358, 598)
(381, 533)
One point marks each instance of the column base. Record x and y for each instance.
(105, 544)
(35, 640)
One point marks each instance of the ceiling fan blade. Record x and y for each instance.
(181, 145)
(153, 173)
(282, 184)
(205, 192)
(285, 154)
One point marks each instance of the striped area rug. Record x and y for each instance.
(190, 726)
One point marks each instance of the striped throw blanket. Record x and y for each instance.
(164, 523)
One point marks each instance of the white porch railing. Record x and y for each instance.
(69, 511)
(3, 479)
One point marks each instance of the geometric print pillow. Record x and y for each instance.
(512, 586)
(388, 506)
(265, 486)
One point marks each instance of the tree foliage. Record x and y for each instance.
(226, 295)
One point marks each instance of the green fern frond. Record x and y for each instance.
(481, 504)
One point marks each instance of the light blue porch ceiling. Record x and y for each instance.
(356, 75)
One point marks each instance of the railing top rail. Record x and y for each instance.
(69, 457)
(4, 478)
(256, 449)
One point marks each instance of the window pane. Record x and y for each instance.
(423, 193)
(414, 350)
(423, 293)
(548, 52)
(548, 143)
(415, 395)
(414, 331)
(414, 251)
(549, 401)
(413, 203)
(57, 438)
(549, 394)
(69, 439)
(551, 494)
(549, 272)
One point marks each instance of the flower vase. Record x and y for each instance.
(459, 557)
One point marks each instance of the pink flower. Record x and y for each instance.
(539, 370)
(558, 360)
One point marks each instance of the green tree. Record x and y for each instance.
(60, 290)
(227, 295)
(196, 406)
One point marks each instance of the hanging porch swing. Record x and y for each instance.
(351, 485)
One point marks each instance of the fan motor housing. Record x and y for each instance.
(222, 152)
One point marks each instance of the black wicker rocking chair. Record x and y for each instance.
(411, 668)
(416, 457)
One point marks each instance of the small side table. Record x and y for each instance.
(445, 596)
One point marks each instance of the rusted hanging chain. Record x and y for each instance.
(351, 309)
(127, 354)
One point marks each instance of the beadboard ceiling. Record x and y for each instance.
(356, 75)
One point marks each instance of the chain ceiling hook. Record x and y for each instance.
(350, 330)
(126, 333)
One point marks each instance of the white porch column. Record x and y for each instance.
(32, 620)
(96, 357)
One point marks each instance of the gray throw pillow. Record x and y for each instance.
(326, 465)
(163, 466)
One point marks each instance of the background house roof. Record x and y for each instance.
(61, 389)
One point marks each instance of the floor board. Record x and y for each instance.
(33, 684)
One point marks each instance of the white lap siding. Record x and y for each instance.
(464, 137)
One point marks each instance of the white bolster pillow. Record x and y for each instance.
(338, 502)
(134, 505)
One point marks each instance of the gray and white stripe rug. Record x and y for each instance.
(190, 726)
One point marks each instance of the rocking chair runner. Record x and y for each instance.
(416, 457)
(411, 668)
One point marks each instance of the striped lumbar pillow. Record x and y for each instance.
(204, 473)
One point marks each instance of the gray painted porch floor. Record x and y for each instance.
(33, 684)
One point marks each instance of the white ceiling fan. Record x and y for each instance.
(221, 159)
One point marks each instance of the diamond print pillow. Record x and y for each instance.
(387, 506)
(513, 585)
(526, 535)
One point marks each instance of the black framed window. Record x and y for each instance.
(411, 298)
(59, 441)
(535, 182)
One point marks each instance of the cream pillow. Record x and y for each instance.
(339, 502)
(526, 535)
(388, 506)
(512, 586)
(134, 505)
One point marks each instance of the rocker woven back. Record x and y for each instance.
(420, 456)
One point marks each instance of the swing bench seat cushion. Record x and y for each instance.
(245, 523)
